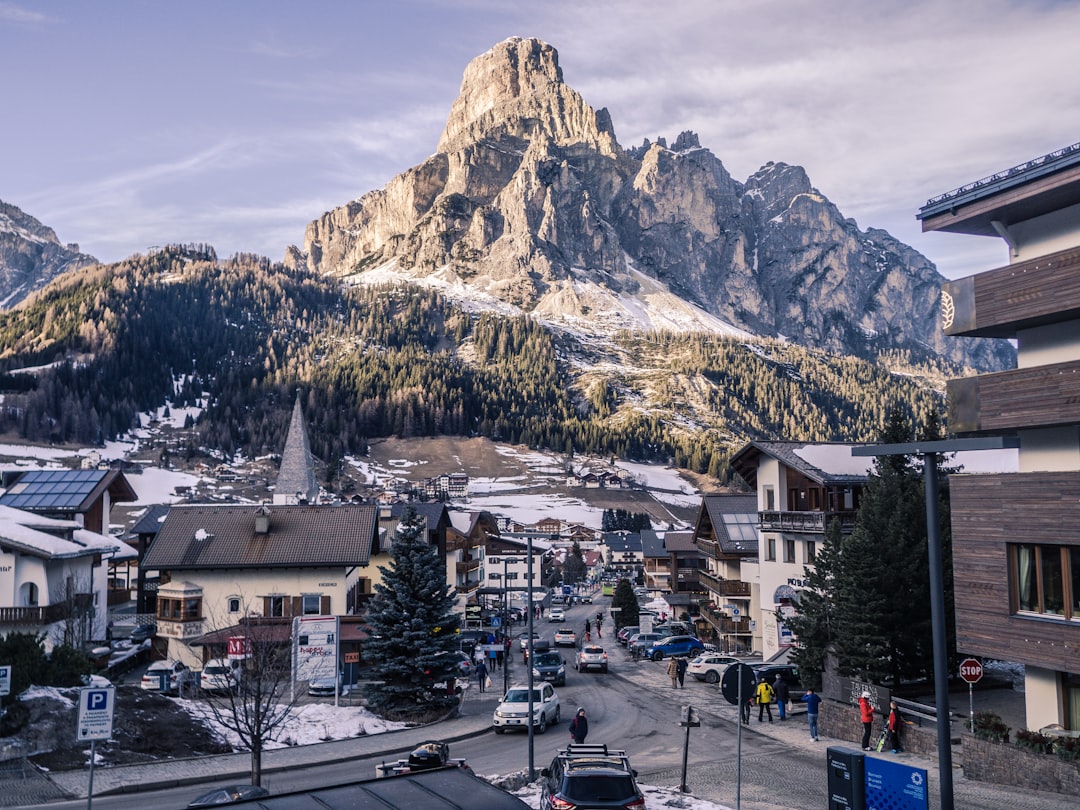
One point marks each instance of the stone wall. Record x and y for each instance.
(842, 722)
(1008, 764)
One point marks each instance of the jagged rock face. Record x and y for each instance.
(31, 255)
(529, 197)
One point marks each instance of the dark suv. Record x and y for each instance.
(789, 673)
(590, 776)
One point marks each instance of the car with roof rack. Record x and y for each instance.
(590, 776)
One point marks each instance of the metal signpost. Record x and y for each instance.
(738, 681)
(971, 671)
(690, 720)
(95, 722)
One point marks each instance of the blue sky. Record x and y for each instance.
(131, 123)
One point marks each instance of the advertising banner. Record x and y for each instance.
(894, 785)
(315, 647)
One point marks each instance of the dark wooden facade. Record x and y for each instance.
(1043, 396)
(990, 512)
(1000, 302)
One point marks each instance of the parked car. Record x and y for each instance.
(623, 636)
(789, 672)
(565, 637)
(142, 632)
(591, 656)
(557, 614)
(641, 643)
(513, 711)
(324, 687)
(174, 675)
(590, 776)
(550, 666)
(464, 662)
(709, 667)
(229, 794)
(221, 675)
(675, 646)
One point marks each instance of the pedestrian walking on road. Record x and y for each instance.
(896, 725)
(579, 727)
(866, 715)
(481, 673)
(588, 627)
(782, 695)
(673, 672)
(813, 705)
(747, 705)
(682, 672)
(764, 695)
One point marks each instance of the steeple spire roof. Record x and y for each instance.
(296, 478)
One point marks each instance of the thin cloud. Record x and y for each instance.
(9, 12)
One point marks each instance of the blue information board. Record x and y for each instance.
(893, 785)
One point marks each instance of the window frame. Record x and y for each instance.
(1068, 578)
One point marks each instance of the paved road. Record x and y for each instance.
(781, 767)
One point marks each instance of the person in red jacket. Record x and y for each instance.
(896, 723)
(866, 714)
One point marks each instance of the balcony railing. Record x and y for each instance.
(805, 522)
(468, 566)
(723, 587)
(47, 614)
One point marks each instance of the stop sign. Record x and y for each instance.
(971, 670)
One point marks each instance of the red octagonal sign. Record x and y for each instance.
(971, 670)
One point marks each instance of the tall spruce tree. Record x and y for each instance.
(626, 601)
(868, 594)
(814, 623)
(412, 624)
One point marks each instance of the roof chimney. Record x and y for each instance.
(262, 520)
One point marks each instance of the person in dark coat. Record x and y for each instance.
(579, 727)
(783, 694)
(481, 673)
(682, 672)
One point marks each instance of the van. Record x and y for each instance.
(221, 675)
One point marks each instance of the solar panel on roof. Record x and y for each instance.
(52, 489)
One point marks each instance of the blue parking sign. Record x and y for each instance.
(96, 707)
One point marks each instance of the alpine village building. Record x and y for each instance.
(1016, 548)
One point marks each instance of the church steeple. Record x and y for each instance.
(296, 479)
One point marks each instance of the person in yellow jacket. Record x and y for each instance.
(764, 697)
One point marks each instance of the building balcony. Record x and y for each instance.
(805, 522)
(723, 587)
(46, 614)
(182, 630)
(468, 566)
(1000, 302)
(1041, 396)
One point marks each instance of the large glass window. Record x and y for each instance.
(312, 602)
(1046, 579)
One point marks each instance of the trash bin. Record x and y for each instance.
(847, 778)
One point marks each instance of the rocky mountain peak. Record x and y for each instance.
(530, 204)
(516, 89)
(31, 255)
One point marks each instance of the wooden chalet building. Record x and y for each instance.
(1016, 548)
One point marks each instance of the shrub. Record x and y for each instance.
(1034, 741)
(1067, 748)
(989, 726)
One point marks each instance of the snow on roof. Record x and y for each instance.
(40, 544)
(835, 459)
(118, 549)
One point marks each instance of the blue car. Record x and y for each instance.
(676, 646)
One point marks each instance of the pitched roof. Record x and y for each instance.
(296, 477)
(731, 520)
(150, 520)
(33, 535)
(825, 463)
(65, 490)
(652, 545)
(618, 541)
(200, 536)
(682, 540)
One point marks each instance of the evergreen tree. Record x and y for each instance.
(412, 623)
(814, 621)
(626, 601)
(574, 567)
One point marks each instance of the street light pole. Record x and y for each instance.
(529, 665)
(929, 452)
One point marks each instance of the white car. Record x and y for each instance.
(221, 675)
(556, 615)
(513, 711)
(165, 676)
(565, 637)
(709, 667)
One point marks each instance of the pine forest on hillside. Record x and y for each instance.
(240, 336)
